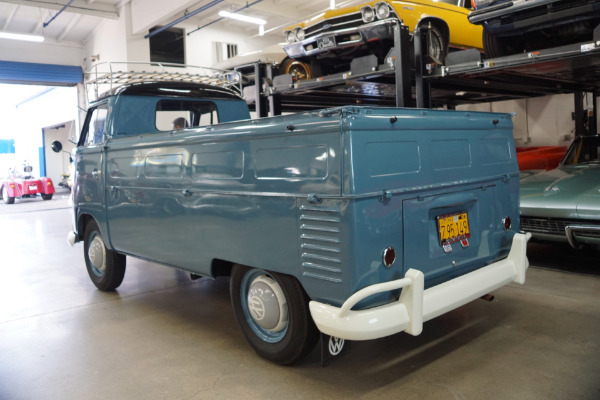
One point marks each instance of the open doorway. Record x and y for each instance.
(26, 112)
(59, 141)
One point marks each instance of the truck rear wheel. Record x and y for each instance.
(47, 196)
(105, 267)
(272, 310)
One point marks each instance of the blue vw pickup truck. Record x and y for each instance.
(356, 222)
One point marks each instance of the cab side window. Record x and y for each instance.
(96, 127)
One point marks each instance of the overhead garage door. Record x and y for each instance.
(40, 74)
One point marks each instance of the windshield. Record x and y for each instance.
(584, 150)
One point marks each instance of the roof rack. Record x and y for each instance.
(105, 77)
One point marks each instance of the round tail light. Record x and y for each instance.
(389, 256)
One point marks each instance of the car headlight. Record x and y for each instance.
(382, 10)
(299, 34)
(368, 14)
(289, 36)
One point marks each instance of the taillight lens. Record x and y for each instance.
(389, 256)
(507, 223)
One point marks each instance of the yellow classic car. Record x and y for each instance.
(322, 44)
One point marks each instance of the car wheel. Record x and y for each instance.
(437, 44)
(494, 46)
(272, 311)
(7, 199)
(299, 70)
(47, 196)
(105, 267)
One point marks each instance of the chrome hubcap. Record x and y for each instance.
(97, 255)
(267, 304)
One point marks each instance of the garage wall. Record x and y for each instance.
(539, 121)
(45, 53)
(57, 164)
(114, 41)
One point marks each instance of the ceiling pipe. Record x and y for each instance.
(222, 18)
(58, 13)
(186, 16)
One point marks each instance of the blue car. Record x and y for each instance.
(511, 27)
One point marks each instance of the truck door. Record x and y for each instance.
(89, 191)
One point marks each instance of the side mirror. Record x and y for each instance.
(56, 146)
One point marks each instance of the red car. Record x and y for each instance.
(540, 157)
(24, 185)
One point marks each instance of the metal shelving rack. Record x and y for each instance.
(465, 78)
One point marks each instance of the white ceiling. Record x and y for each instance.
(75, 24)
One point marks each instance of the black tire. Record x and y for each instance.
(287, 340)
(435, 42)
(47, 196)
(7, 199)
(105, 267)
(494, 46)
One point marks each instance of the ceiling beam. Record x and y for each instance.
(78, 7)
(68, 28)
(10, 17)
(270, 7)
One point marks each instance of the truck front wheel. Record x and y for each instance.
(272, 310)
(7, 199)
(105, 267)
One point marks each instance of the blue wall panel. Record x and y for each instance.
(40, 74)
(7, 146)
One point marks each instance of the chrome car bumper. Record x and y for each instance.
(416, 305)
(578, 234)
(342, 38)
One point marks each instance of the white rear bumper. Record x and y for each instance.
(415, 304)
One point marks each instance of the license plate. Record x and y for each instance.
(453, 227)
(32, 187)
(326, 42)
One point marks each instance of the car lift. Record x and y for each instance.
(465, 78)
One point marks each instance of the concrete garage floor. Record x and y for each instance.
(163, 336)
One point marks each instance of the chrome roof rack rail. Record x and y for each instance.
(103, 78)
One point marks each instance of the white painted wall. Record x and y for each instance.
(44, 53)
(57, 164)
(539, 121)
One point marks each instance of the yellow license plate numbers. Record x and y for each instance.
(453, 227)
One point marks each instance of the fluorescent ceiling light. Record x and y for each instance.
(17, 36)
(244, 18)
